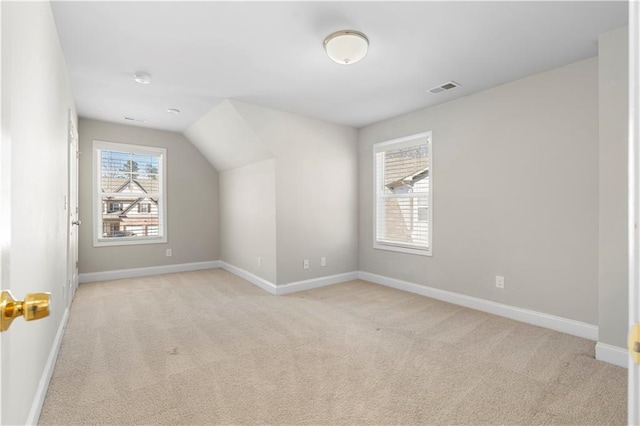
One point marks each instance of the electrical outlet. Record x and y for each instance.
(305, 264)
(169, 253)
(499, 281)
(259, 261)
(323, 261)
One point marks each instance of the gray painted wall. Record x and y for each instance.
(315, 196)
(192, 200)
(36, 104)
(316, 191)
(613, 262)
(248, 218)
(515, 194)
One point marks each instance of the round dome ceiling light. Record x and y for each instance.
(173, 111)
(346, 47)
(142, 78)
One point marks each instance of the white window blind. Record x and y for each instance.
(403, 194)
(129, 194)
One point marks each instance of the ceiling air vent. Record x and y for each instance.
(444, 87)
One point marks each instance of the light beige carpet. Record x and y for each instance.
(207, 347)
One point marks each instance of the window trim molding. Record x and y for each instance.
(399, 143)
(99, 145)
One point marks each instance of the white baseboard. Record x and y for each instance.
(564, 325)
(612, 354)
(316, 282)
(143, 272)
(293, 287)
(41, 392)
(267, 286)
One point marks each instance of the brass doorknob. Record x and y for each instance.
(634, 343)
(33, 307)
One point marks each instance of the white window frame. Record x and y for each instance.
(98, 241)
(416, 139)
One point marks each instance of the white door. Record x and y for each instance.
(3, 206)
(5, 209)
(72, 214)
(31, 121)
(634, 207)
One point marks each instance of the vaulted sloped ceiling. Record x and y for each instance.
(226, 139)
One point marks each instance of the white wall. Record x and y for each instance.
(248, 218)
(515, 194)
(36, 103)
(613, 262)
(192, 202)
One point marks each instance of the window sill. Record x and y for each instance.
(129, 241)
(403, 249)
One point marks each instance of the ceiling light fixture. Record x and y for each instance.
(346, 47)
(173, 111)
(142, 78)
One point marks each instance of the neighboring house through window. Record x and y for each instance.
(129, 194)
(403, 177)
(113, 207)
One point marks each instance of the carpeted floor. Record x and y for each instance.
(207, 347)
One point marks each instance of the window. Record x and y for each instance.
(144, 208)
(129, 180)
(113, 207)
(403, 194)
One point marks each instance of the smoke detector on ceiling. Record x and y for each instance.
(444, 87)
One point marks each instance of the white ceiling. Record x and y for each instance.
(271, 54)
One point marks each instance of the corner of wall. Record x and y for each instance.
(613, 265)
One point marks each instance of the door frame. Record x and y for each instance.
(633, 406)
(72, 211)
